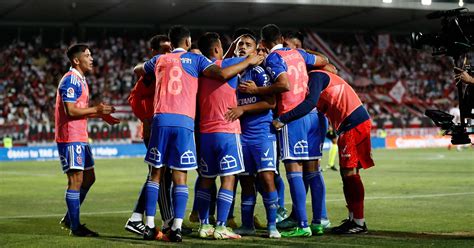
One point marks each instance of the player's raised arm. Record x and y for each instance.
(220, 74)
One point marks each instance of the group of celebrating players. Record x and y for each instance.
(259, 95)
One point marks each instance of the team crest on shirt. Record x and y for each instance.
(78, 149)
(301, 147)
(188, 157)
(228, 162)
(70, 92)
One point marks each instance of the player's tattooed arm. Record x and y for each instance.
(235, 113)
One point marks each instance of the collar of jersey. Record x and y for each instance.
(77, 73)
(279, 46)
(179, 49)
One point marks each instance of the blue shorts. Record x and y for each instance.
(221, 155)
(318, 130)
(75, 156)
(301, 139)
(173, 147)
(259, 157)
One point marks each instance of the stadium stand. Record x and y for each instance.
(395, 87)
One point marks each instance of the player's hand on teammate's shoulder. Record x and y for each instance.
(329, 68)
(234, 113)
(110, 119)
(104, 109)
(255, 59)
(248, 87)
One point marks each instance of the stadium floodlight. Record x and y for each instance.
(461, 3)
(387, 1)
(425, 2)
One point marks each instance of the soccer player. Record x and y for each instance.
(172, 136)
(220, 151)
(141, 100)
(71, 113)
(331, 135)
(338, 101)
(295, 40)
(258, 144)
(299, 141)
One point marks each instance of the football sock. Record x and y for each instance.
(73, 204)
(359, 222)
(82, 197)
(248, 207)
(140, 205)
(298, 196)
(151, 192)
(231, 209)
(280, 186)
(332, 155)
(355, 199)
(203, 200)
(136, 217)
(196, 188)
(224, 201)
(270, 200)
(318, 193)
(180, 198)
(212, 206)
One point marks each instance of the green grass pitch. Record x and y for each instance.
(414, 198)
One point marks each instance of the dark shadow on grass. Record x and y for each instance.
(421, 235)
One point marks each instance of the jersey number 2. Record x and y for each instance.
(298, 87)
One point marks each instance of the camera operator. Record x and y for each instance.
(464, 76)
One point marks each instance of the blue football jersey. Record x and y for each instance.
(255, 127)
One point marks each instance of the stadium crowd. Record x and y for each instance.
(30, 71)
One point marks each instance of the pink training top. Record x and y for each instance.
(298, 79)
(72, 88)
(215, 99)
(176, 90)
(338, 100)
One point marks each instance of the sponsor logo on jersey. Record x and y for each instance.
(248, 100)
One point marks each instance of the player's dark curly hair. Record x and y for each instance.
(270, 33)
(177, 34)
(294, 35)
(155, 41)
(206, 42)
